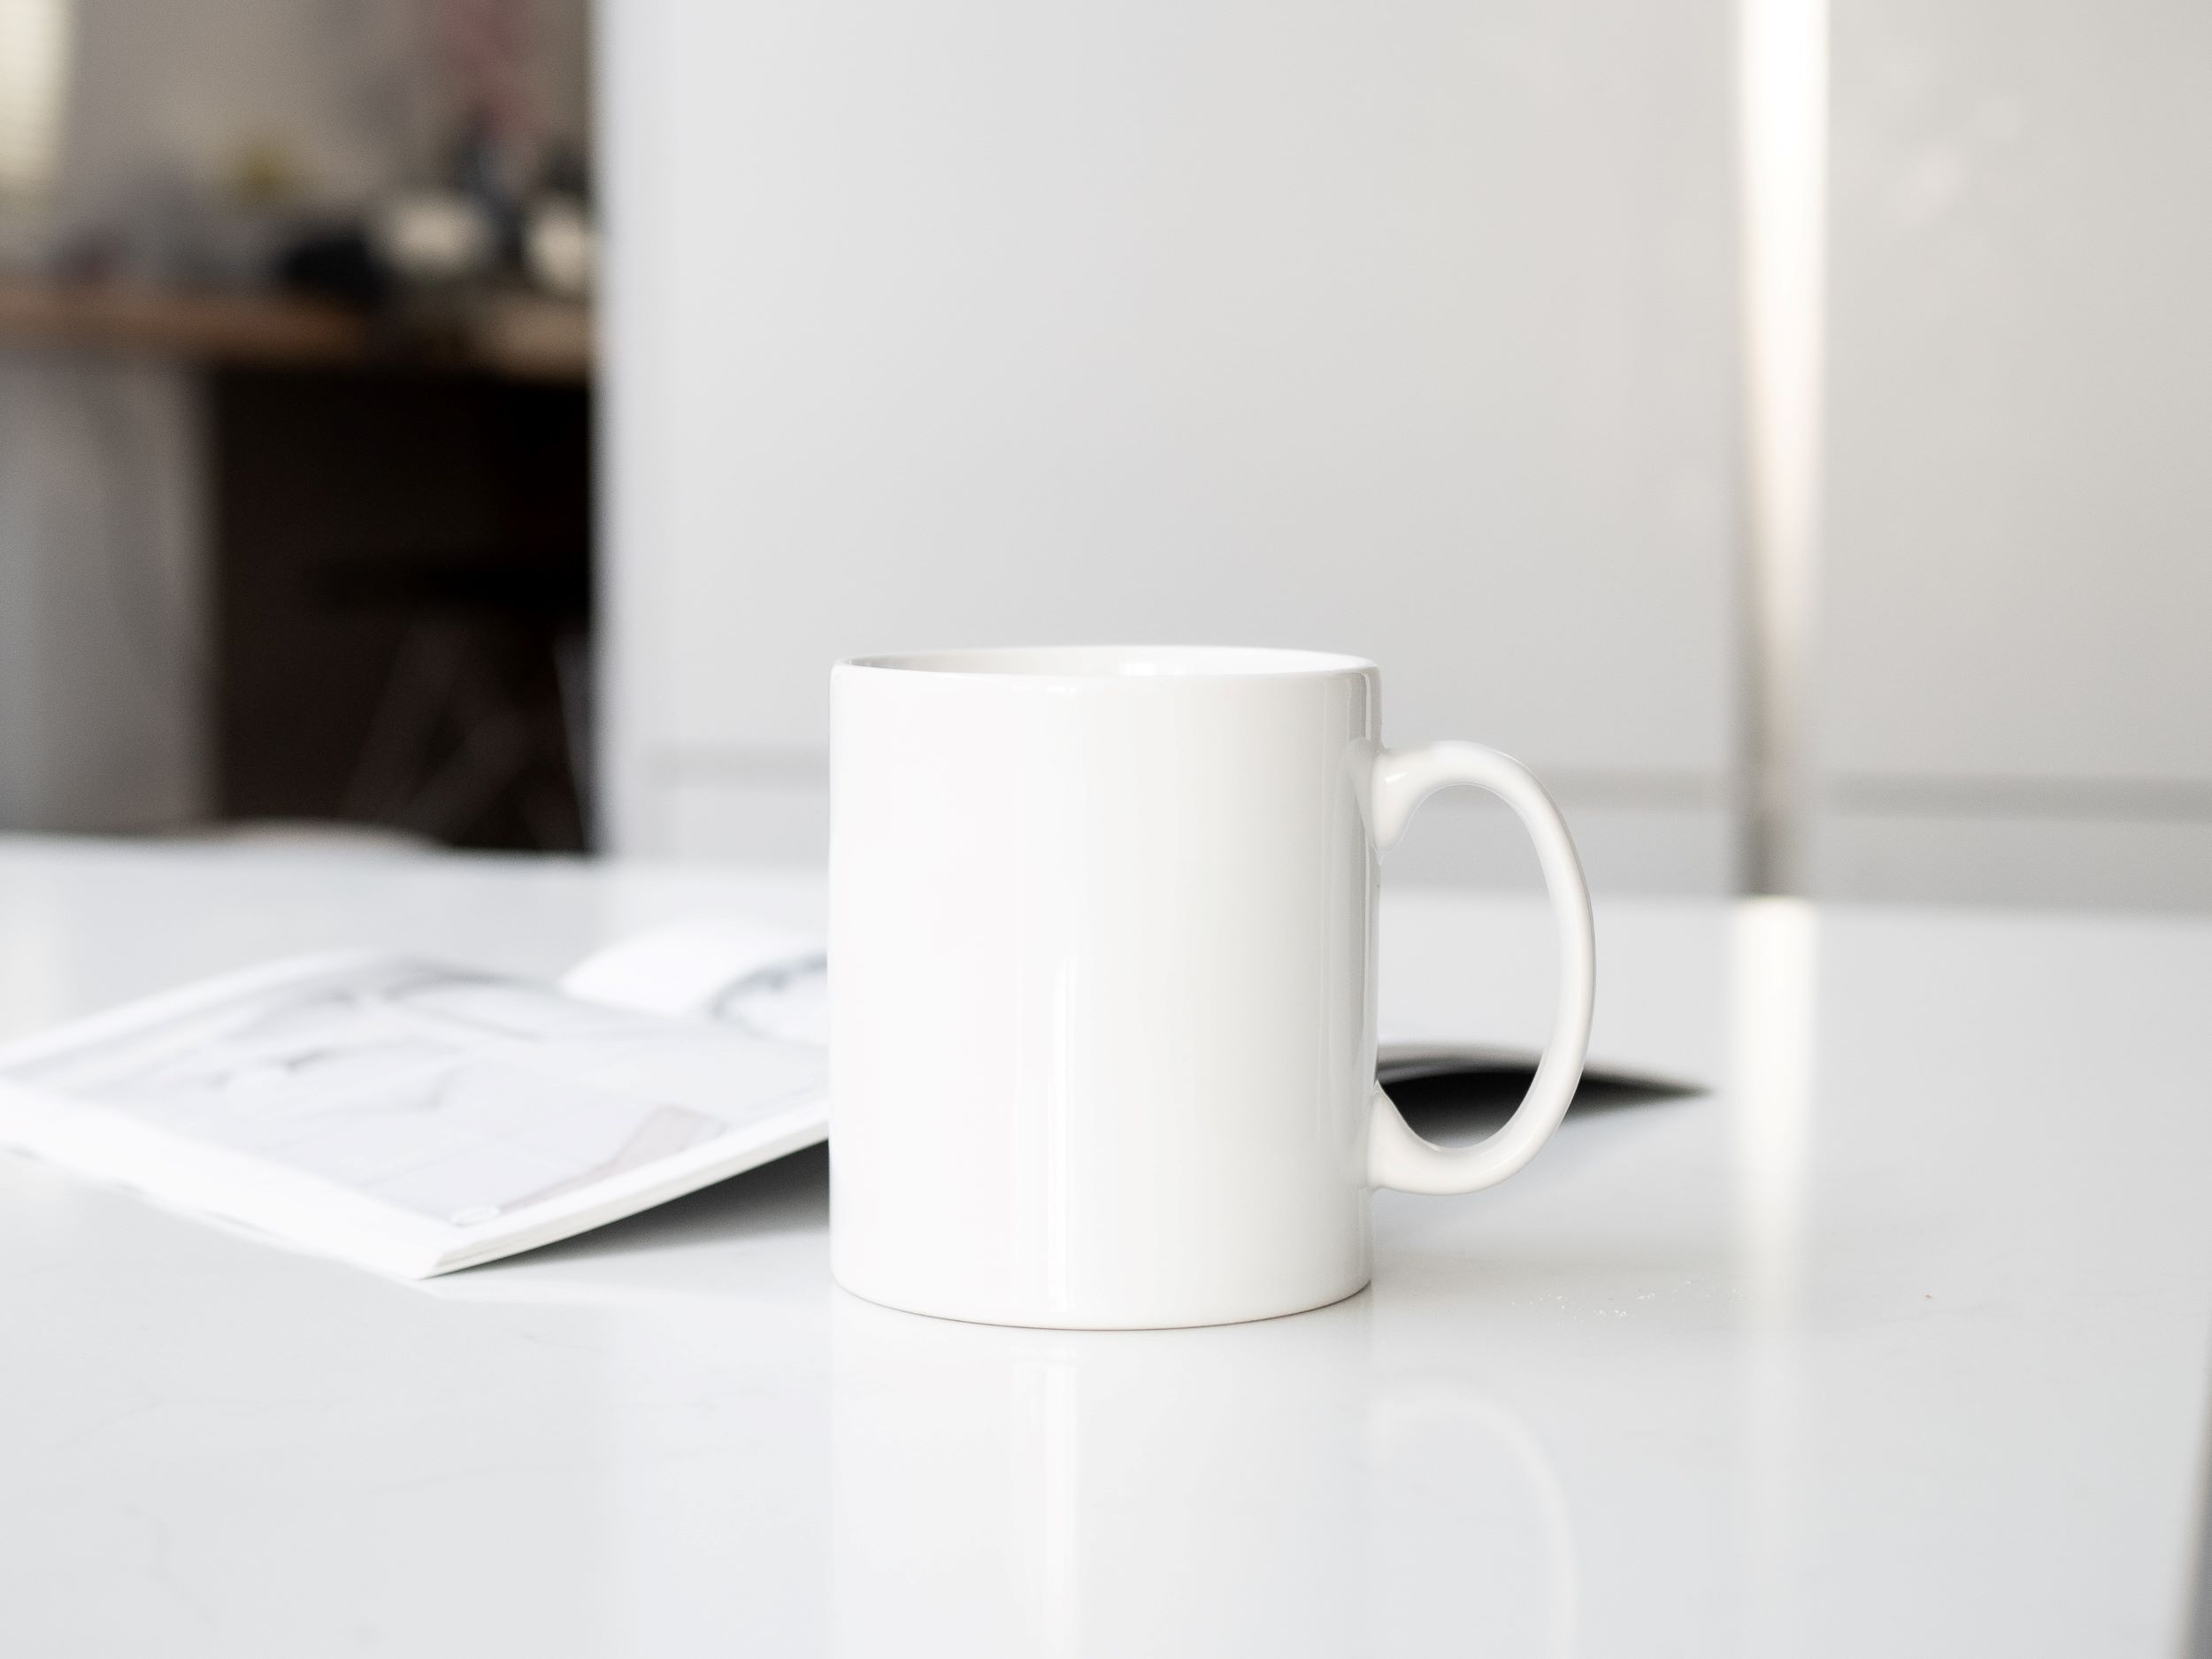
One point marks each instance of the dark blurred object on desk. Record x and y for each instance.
(335, 264)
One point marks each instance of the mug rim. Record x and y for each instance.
(1115, 663)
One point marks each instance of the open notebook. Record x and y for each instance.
(416, 1117)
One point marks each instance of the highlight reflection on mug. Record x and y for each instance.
(1238, 1488)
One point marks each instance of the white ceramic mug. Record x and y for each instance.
(1102, 988)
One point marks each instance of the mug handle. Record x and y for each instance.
(1396, 1157)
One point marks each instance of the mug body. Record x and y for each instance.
(1102, 949)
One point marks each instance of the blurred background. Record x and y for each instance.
(481, 422)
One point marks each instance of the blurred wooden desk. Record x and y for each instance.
(519, 336)
(309, 456)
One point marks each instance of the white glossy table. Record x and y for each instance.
(1895, 1343)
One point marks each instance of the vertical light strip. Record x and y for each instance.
(34, 80)
(1775, 1020)
(1774, 1017)
(1782, 150)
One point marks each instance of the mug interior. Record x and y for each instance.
(1121, 662)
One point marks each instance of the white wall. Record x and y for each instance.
(1402, 329)
(1409, 329)
(2016, 680)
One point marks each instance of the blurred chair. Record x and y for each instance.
(486, 703)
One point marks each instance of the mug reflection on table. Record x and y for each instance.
(1195, 1492)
